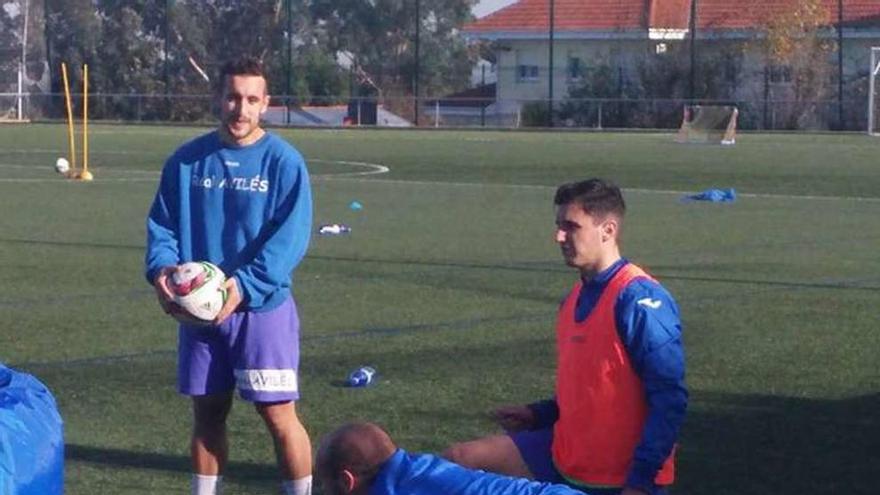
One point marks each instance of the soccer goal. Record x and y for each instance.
(714, 124)
(872, 90)
(12, 105)
(11, 108)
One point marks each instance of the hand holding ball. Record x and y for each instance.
(197, 287)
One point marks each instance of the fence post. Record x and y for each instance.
(436, 114)
(599, 123)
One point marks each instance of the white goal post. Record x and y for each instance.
(711, 124)
(875, 68)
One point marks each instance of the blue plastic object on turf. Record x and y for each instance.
(31, 437)
(362, 377)
(713, 195)
(355, 206)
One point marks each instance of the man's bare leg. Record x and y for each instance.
(209, 448)
(496, 454)
(293, 448)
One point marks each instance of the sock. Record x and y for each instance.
(302, 486)
(206, 485)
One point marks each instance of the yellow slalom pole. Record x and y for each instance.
(71, 144)
(85, 175)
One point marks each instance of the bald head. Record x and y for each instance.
(350, 457)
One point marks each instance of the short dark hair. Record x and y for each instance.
(243, 66)
(597, 197)
(361, 448)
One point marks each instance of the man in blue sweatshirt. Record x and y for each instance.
(240, 198)
(361, 459)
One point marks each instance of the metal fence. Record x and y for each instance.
(580, 113)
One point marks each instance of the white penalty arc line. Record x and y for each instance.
(372, 169)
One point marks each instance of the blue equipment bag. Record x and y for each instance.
(31, 437)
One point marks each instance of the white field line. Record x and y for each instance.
(376, 169)
(858, 199)
(632, 190)
(151, 175)
(372, 168)
(64, 152)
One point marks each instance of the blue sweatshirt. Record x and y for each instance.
(247, 209)
(425, 474)
(649, 327)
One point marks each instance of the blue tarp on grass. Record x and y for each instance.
(712, 195)
(31, 437)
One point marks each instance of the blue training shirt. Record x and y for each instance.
(425, 474)
(649, 327)
(247, 209)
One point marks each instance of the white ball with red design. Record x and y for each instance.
(198, 289)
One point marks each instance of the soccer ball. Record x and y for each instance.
(197, 287)
(62, 166)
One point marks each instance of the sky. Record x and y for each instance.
(485, 7)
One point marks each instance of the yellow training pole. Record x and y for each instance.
(85, 175)
(71, 144)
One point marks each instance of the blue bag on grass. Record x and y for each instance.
(31, 437)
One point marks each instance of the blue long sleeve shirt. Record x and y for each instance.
(424, 474)
(247, 209)
(649, 327)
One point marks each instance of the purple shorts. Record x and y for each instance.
(256, 352)
(535, 448)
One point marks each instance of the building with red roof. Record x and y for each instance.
(644, 41)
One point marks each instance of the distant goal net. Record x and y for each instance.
(713, 124)
(11, 109)
(873, 97)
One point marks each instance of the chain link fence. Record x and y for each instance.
(574, 113)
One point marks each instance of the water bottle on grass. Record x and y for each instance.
(362, 377)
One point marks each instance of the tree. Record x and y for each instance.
(171, 50)
(11, 21)
(380, 34)
(130, 31)
(798, 40)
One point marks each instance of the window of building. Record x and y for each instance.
(527, 73)
(730, 68)
(575, 69)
